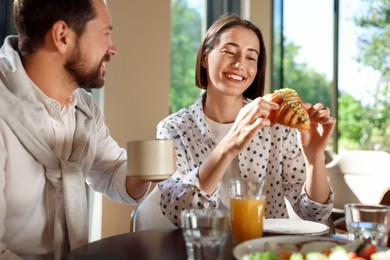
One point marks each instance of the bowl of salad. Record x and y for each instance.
(308, 248)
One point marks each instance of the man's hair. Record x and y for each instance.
(34, 18)
(212, 38)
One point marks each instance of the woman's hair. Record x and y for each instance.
(212, 38)
(34, 18)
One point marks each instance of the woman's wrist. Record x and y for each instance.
(315, 159)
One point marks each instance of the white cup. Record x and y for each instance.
(369, 223)
(150, 159)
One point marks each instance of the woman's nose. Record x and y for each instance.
(236, 64)
(239, 60)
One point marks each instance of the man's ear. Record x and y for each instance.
(205, 62)
(62, 36)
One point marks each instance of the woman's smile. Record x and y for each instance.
(234, 77)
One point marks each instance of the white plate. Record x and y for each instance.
(294, 227)
(257, 245)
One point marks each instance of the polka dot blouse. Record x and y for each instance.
(273, 153)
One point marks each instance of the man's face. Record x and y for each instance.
(86, 65)
(86, 73)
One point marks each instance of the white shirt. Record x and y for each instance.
(23, 220)
(218, 131)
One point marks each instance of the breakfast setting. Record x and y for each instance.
(195, 130)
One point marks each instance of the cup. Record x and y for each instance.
(247, 206)
(150, 159)
(205, 232)
(370, 223)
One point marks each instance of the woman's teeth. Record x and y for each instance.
(235, 77)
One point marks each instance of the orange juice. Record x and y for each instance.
(247, 218)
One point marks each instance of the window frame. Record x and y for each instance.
(3, 19)
(277, 79)
(7, 26)
(216, 8)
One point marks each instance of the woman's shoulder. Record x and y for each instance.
(178, 116)
(185, 115)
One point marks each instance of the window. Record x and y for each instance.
(187, 18)
(364, 75)
(189, 21)
(308, 47)
(337, 53)
(6, 19)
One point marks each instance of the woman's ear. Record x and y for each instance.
(61, 36)
(205, 63)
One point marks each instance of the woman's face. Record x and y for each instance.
(232, 65)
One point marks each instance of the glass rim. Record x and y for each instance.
(369, 207)
(205, 212)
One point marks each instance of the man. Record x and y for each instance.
(52, 136)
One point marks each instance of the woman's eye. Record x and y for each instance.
(251, 58)
(229, 52)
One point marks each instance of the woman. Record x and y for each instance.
(226, 134)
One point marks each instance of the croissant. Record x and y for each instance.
(291, 112)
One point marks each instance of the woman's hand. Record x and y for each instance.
(314, 141)
(249, 119)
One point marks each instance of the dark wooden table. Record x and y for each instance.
(145, 245)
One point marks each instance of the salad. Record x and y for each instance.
(320, 250)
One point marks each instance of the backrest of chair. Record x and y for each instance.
(148, 214)
(385, 198)
(329, 155)
(359, 176)
(361, 162)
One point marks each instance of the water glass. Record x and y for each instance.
(370, 223)
(205, 232)
(247, 206)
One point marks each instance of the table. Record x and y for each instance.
(145, 245)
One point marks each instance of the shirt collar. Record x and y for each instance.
(53, 106)
(200, 120)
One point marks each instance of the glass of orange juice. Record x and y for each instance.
(247, 206)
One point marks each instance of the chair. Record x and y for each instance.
(148, 214)
(329, 156)
(359, 177)
(385, 198)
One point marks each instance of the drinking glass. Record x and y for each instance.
(205, 232)
(370, 223)
(247, 206)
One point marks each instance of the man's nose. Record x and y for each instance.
(112, 50)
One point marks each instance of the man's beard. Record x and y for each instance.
(85, 78)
